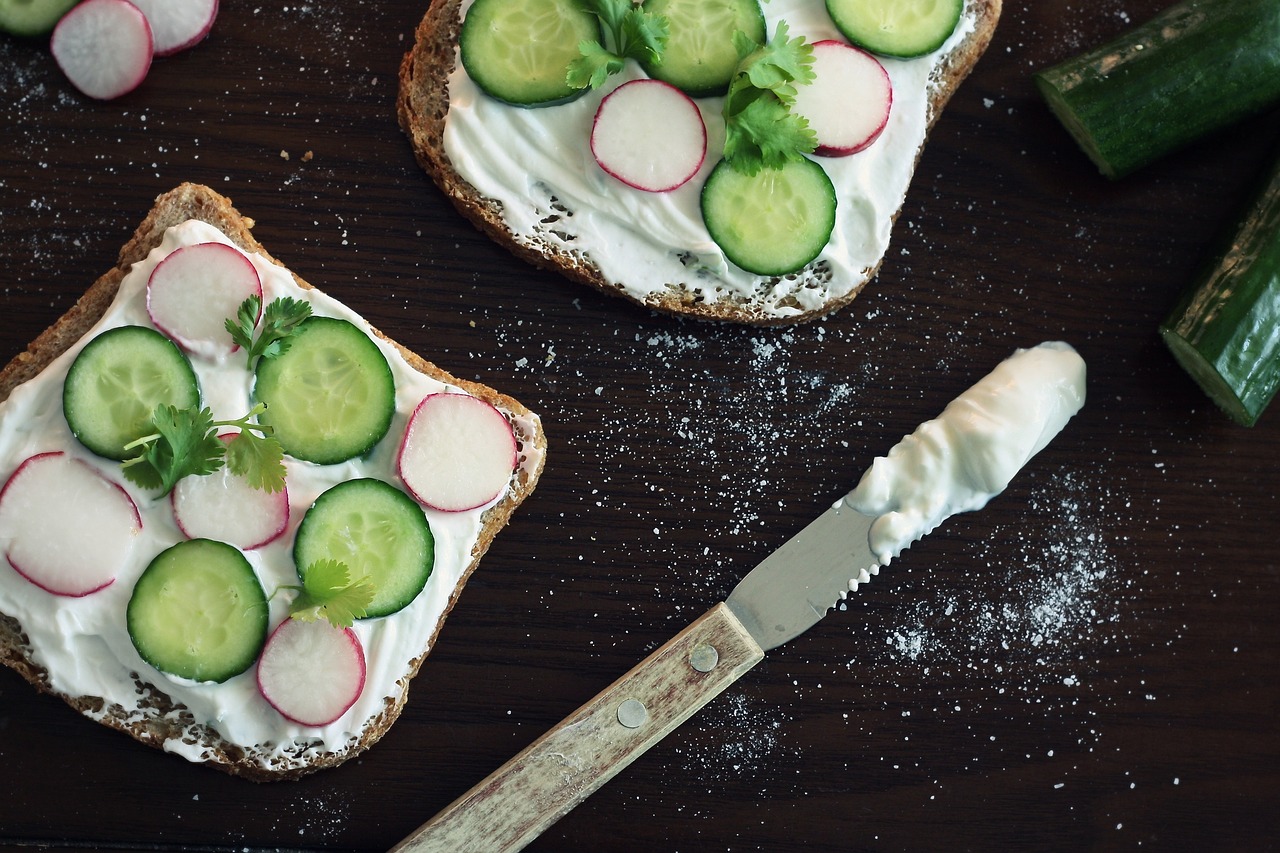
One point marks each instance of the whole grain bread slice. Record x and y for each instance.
(423, 109)
(160, 720)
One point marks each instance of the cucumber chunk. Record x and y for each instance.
(1195, 69)
(771, 223)
(378, 532)
(700, 56)
(117, 381)
(519, 51)
(902, 28)
(31, 18)
(1225, 329)
(198, 612)
(330, 396)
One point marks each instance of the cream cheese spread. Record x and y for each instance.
(967, 455)
(83, 642)
(538, 164)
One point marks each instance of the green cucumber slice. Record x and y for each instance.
(519, 51)
(700, 57)
(330, 396)
(773, 222)
(198, 612)
(378, 532)
(1196, 68)
(902, 28)
(31, 18)
(117, 381)
(1225, 329)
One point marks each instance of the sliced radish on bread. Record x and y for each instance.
(458, 452)
(848, 102)
(195, 289)
(64, 526)
(311, 672)
(225, 507)
(104, 47)
(178, 24)
(649, 135)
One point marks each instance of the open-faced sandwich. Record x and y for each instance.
(723, 159)
(234, 515)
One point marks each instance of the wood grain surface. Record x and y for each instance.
(1089, 663)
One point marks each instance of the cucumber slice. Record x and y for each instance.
(198, 612)
(118, 380)
(31, 18)
(773, 222)
(902, 28)
(700, 56)
(1194, 69)
(330, 396)
(378, 532)
(1225, 329)
(519, 51)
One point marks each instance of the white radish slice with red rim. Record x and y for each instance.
(178, 24)
(104, 47)
(458, 452)
(225, 507)
(311, 672)
(65, 527)
(848, 102)
(649, 135)
(194, 291)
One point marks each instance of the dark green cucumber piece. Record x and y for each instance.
(1196, 68)
(773, 222)
(378, 532)
(901, 28)
(519, 51)
(330, 396)
(117, 381)
(31, 18)
(198, 612)
(700, 56)
(1225, 330)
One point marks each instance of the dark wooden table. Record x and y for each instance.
(1087, 664)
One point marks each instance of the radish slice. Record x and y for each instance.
(311, 672)
(178, 24)
(104, 47)
(847, 103)
(223, 506)
(458, 452)
(649, 135)
(64, 526)
(194, 291)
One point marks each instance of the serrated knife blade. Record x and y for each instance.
(783, 596)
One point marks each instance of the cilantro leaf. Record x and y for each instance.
(630, 32)
(761, 132)
(280, 322)
(257, 458)
(328, 592)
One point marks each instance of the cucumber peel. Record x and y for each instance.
(32, 18)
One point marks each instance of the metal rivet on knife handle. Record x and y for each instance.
(704, 657)
(632, 713)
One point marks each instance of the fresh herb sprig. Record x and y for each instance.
(328, 592)
(280, 321)
(630, 32)
(185, 442)
(761, 131)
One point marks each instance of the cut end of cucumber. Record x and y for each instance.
(1208, 376)
(1078, 130)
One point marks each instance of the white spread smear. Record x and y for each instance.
(968, 454)
(538, 164)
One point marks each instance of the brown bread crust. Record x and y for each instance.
(162, 720)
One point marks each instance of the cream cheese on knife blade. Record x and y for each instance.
(960, 460)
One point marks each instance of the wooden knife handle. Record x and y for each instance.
(562, 768)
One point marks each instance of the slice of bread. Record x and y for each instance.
(155, 717)
(538, 222)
